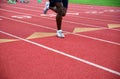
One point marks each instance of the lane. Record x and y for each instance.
(107, 10)
(41, 63)
(113, 17)
(22, 29)
(83, 20)
(41, 19)
(104, 34)
(98, 52)
(69, 27)
(79, 49)
(75, 25)
(98, 11)
(25, 30)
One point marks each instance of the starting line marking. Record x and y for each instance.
(22, 16)
(103, 11)
(53, 15)
(72, 13)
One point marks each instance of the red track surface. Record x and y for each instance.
(89, 54)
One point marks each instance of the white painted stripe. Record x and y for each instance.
(72, 13)
(64, 20)
(65, 31)
(71, 16)
(80, 8)
(65, 54)
(71, 8)
(21, 16)
(53, 15)
(111, 10)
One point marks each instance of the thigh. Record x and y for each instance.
(53, 2)
(64, 2)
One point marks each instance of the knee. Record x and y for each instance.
(61, 12)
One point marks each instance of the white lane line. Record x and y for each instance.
(83, 8)
(53, 15)
(22, 16)
(71, 13)
(63, 20)
(85, 36)
(65, 54)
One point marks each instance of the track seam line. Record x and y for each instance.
(85, 36)
(64, 54)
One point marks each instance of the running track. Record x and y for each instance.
(29, 48)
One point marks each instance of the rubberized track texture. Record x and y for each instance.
(29, 48)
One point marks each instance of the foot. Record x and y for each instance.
(45, 10)
(46, 7)
(60, 34)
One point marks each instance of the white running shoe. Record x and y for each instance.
(60, 34)
(45, 10)
(46, 7)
